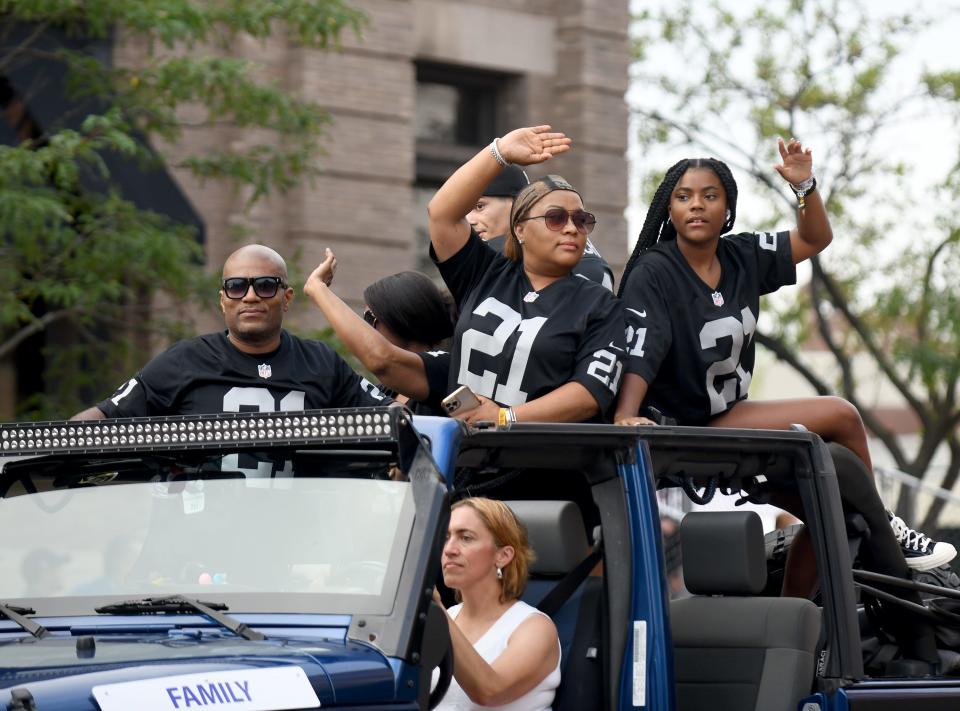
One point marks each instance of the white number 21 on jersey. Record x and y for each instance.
(485, 383)
(727, 381)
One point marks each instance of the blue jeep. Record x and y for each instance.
(287, 561)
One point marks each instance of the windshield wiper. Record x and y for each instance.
(178, 604)
(16, 614)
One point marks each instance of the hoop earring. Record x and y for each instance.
(499, 573)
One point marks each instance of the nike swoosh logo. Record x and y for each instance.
(641, 314)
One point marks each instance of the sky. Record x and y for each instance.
(930, 144)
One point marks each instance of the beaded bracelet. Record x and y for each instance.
(804, 189)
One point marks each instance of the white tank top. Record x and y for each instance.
(490, 646)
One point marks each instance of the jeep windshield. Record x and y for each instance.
(262, 530)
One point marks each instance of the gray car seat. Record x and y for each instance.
(559, 541)
(731, 650)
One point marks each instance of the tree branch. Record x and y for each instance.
(949, 480)
(12, 55)
(849, 382)
(31, 329)
(838, 300)
(782, 352)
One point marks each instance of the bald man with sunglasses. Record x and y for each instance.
(252, 366)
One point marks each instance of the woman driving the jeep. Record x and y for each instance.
(506, 653)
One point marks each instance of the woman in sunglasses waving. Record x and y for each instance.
(533, 341)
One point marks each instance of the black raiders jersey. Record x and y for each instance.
(592, 265)
(513, 344)
(208, 374)
(693, 345)
(436, 366)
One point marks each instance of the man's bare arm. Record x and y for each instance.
(91, 413)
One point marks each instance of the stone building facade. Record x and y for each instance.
(428, 84)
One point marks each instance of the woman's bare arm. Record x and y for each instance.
(395, 367)
(448, 209)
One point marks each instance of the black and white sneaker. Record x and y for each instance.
(921, 551)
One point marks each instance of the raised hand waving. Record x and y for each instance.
(533, 144)
(797, 161)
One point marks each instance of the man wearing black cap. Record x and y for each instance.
(490, 219)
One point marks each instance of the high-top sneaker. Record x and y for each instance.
(921, 551)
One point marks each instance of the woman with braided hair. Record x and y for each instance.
(692, 294)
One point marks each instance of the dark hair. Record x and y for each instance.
(411, 306)
(509, 181)
(657, 226)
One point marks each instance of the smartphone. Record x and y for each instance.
(462, 398)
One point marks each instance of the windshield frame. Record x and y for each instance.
(389, 620)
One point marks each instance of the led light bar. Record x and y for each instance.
(368, 425)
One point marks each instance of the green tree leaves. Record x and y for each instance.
(76, 255)
(829, 69)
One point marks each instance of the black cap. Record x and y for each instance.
(508, 183)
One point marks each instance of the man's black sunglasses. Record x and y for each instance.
(265, 287)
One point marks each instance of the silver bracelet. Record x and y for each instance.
(495, 152)
(511, 416)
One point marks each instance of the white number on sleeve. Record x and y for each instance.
(369, 388)
(635, 339)
(726, 379)
(767, 240)
(607, 368)
(127, 389)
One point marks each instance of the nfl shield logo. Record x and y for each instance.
(264, 370)
(717, 299)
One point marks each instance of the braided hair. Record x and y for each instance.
(657, 226)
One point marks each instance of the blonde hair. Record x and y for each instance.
(524, 202)
(506, 530)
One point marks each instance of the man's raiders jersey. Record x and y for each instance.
(513, 344)
(592, 265)
(207, 374)
(693, 345)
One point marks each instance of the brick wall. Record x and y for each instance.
(362, 205)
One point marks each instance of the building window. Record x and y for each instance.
(458, 111)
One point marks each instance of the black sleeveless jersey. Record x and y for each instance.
(208, 374)
(513, 344)
(693, 345)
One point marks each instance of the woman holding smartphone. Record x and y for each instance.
(533, 341)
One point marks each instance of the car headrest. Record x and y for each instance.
(557, 534)
(723, 552)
